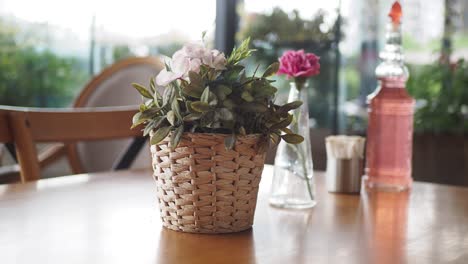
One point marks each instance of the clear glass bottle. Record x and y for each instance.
(391, 109)
(293, 181)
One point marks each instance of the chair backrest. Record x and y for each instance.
(112, 87)
(34, 125)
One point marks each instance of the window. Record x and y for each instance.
(49, 49)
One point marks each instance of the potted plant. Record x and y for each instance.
(209, 132)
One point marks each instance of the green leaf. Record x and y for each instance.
(169, 94)
(176, 108)
(196, 79)
(224, 114)
(171, 117)
(290, 106)
(254, 107)
(176, 136)
(274, 138)
(229, 141)
(233, 73)
(157, 98)
(200, 107)
(219, 95)
(194, 128)
(228, 103)
(221, 91)
(152, 85)
(286, 130)
(207, 119)
(159, 120)
(240, 53)
(205, 97)
(247, 96)
(224, 89)
(136, 117)
(264, 90)
(213, 99)
(292, 138)
(150, 112)
(271, 70)
(148, 128)
(160, 134)
(192, 91)
(138, 120)
(153, 124)
(142, 90)
(188, 106)
(192, 116)
(283, 123)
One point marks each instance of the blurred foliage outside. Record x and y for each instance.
(169, 49)
(441, 107)
(274, 33)
(34, 76)
(30, 77)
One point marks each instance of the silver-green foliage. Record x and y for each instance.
(214, 101)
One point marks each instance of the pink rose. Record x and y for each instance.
(299, 64)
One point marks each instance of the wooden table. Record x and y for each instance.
(113, 218)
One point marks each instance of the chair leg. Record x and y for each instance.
(73, 158)
(25, 147)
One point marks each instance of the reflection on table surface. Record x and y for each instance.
(113, 218)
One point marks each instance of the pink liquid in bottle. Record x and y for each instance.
(391, 109)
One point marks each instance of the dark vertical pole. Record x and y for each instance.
(335, 124)
(447, 46)
(226, 25)
(448, 31)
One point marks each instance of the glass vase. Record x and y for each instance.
(293, 181)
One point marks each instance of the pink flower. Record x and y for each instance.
(299, 64)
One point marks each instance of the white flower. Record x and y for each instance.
(190, 58)
(165, 77)
(219, 60)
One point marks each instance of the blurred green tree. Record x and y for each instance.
(440, 109)
(121, 52)
(29, 77)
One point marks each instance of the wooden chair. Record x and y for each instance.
(112, 87)
(5, 131)
(10, 172)
(6, 137)
(29, 126)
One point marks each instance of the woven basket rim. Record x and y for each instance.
(222, 134)
(213, 134)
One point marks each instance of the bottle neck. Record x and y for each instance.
(392, 82)
(296, 94)
(392, 65)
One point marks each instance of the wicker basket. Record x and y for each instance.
(204, 188)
